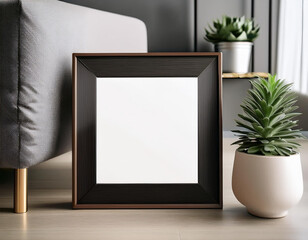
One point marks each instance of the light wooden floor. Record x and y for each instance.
(50, 215)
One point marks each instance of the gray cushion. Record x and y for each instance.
(37, 39)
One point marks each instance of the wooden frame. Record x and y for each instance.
(207, 193)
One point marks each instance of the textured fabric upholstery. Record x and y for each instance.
(37, 39)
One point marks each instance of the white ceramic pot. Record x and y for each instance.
(236, 56)
(267, 185)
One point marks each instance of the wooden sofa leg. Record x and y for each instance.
(21, 190)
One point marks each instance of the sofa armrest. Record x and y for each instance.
(40, 37)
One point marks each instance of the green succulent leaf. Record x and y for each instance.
(267, 125)
(232, 29)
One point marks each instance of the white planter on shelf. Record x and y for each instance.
(236, 56)
(267, 185)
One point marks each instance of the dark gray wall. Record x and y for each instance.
(274, 19)
(234, 92)
(261, 53)
(171, 27)
(209, 10)
(170, 23)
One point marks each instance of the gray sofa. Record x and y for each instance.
(37, 39)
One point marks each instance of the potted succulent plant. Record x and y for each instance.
(267, 174)
(234, 38)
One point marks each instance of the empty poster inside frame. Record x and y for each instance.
(147, 130)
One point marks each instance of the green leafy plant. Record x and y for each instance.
(267, 123)
(232, 30)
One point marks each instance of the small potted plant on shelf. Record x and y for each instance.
(267, 174)
(234, 38)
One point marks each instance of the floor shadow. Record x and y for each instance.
(6, 176)
(58, 205)
(241, 213)
(6, 210)
(237, 214)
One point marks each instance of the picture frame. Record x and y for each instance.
(198, 79)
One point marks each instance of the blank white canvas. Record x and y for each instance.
(147, 130)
